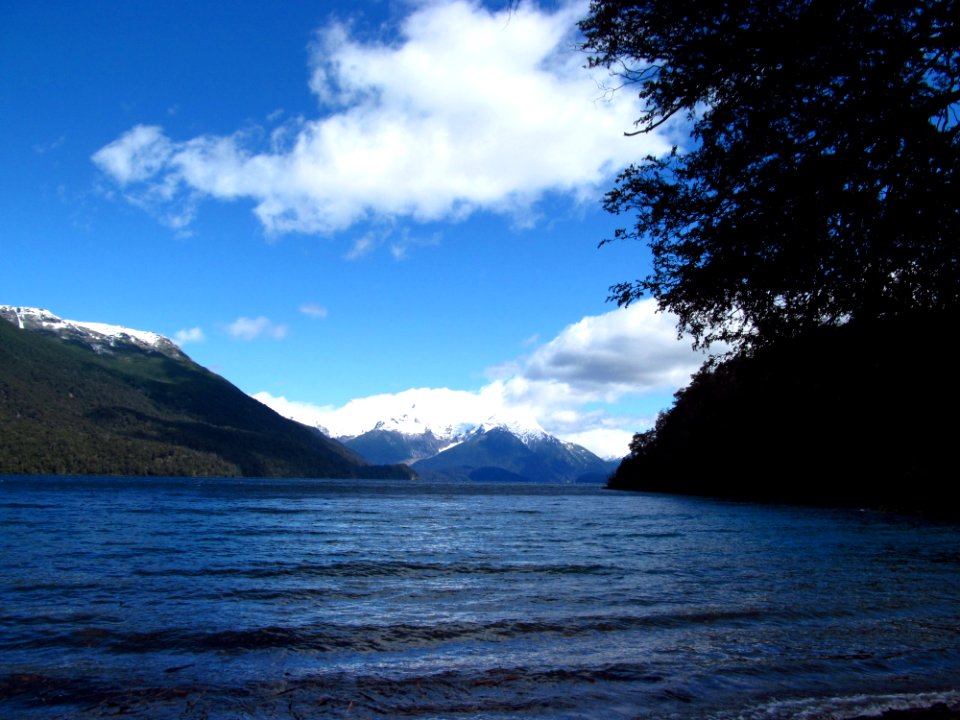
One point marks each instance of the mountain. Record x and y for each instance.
(501, 453)
(99, 337)
(90, 398)
(495, 450)
(392, 446)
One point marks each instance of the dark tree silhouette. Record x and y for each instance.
(820, 180)
(838, 416)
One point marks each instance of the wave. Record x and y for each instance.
(383, 568)
(386, 637)
(622, 690)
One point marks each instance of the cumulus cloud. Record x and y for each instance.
(244, 328)
(441, 406)
(138, 154)
(635, 348)
(599, 359)
(189, 335)
(607, 442)
(464, 109)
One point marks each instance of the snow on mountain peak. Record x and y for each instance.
(406, 424)
(527, 430)
(145, 337)
(100, 335)
(450, 416)
(25, 316)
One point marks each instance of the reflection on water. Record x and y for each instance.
(223, 599)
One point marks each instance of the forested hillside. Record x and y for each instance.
(66, 409)
(863, 414)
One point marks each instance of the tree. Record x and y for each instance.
(820, 181)
(822, 418)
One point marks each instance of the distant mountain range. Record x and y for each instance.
(90, 398)
(496, 450)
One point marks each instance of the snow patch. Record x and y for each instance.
(118, 332)
(454, 433)
(99, 335)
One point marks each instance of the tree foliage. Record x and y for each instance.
(838, 416)
(820, 180)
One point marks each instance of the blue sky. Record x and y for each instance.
(326, 202)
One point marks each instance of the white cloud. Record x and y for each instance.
(303, 412)
(634, 347)
(598, 360)
(441, 405)
(607, 442)
(244, 328)
(189, 335)
(138, 154)
(361, 247)
(465, 109)
(313, 310)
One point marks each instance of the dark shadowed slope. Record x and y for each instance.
(499, 455)
(863, 415)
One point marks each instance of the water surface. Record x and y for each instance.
(174, 598)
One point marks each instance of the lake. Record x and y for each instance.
(187, 598)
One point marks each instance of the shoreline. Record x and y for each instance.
(937, 711)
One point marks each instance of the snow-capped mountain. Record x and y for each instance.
(396, 446)
(409, 437)
(499, 453)
(91, 398)
(454, 432)
(498, 449)
(445, 435)
(99, 337)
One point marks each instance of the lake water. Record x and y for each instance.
(176, 598)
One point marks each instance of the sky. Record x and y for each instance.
(343, 208)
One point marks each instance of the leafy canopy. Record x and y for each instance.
(821, 179)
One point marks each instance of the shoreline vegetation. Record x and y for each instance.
(808, 226)
(858, 415)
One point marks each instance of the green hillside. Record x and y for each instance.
(65, 409)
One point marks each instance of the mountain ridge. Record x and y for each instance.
(101, 337)
(486, 452)
(91, 398)
(445, 441)
(500, 454)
